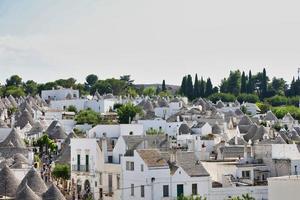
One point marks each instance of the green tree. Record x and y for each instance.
(127, 80)
(14, 91)
(88, 116)
(196, 87)
(264, 84)
(250, 85)
(103, 87)
(45, 144)
(61, 171)
(209, 88)
(127, 112)
(202, 87)
(31, 87)
(132, 92)
(72, 108)
(149, 91)
(225, 97)
(224, 86)
(14, 80)
(91, 80)
(234, 82)
(189, 87)
(66, 83)
(183, 87)
(118, 87)
(278, 86)
(243, 83)
(250, 98)
(163, 86)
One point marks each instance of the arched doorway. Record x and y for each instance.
(87, 185)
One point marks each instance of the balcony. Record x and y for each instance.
(80, 168)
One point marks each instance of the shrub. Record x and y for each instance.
(72, 108)
(277, 100)
(225, 97)
(283, 110)
(250, 98)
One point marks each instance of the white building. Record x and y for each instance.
(60, 94)
(202, 128)
(284, 187)
(158, 124)
(102, 105)
(115, 130)
(89, 171)
(147, 175)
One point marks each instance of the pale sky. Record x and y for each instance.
(152, 40)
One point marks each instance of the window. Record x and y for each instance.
(142, 191)
(142, 167)
(132, 190)
(100, 178)
(87, 163)
(129, 166)
(110, 159)
(166, 191)
(78, 162)
(95, 183)
(118, 181)
(246, 174)
(194, 189)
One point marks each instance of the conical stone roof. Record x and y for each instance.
(13, 140)
(270, 116)
(8, 182)
(34, 181)
(245, 120)
(251, 132)
(53, 193)
(56, 131)
(23, 119)
(26, 193)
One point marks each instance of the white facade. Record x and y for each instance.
(59, 94)
(204, 130)
(285, 187)
(88, 167)
(115, 130)
(102, 105)
(158, 124)
(154, 179)
(166, 112)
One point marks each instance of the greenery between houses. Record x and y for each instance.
(61, 171)
(127, 113)
(45, 144)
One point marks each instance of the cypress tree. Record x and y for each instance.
(189, 87)
(243, 83)
(208, 88)
(264, 84)
(183, 86)
(250, 88)
(202, 87)
(196, 87)
(163, 86)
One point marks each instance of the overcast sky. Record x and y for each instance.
(150, 39)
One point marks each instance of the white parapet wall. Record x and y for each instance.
(285, 187)
(258, 192)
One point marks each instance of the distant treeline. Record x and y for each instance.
(243, 87)
(237, 86)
